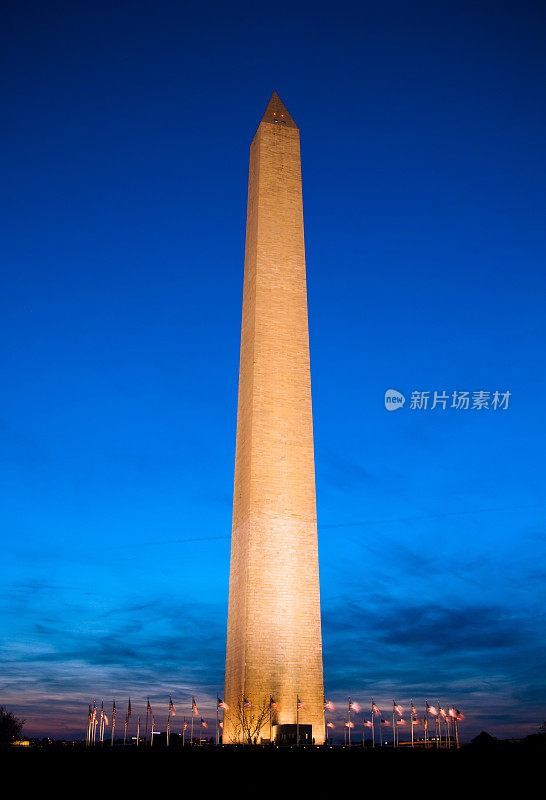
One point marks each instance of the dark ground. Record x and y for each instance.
(256, 771)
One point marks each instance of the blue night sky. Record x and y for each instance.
(124, 155)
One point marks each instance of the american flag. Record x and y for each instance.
(399, 710)
(246, 703)
(354, 707)
(221, 704)
(432, 710)
(367, 723)
(300, 704)
(376, 710)
(328, 705)
(203, 723)
(172, 709)
(349, 724)
(384, 722)
(401, 722)
(273, 704)
(114, 710)
(148, 707)
(129, 709)
(330, 725)
(194, 706)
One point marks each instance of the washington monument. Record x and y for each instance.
(274, 645)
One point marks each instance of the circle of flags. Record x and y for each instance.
(440, 725)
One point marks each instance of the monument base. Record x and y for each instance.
(292, 734)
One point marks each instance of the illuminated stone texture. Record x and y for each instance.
(274, 645)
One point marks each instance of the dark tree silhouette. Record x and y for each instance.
(249, 723)
(484, 739)
(10, 726)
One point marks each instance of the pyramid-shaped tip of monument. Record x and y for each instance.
(277, 113)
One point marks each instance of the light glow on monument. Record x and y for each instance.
(274, 644)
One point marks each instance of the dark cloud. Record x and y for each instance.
(433, 629)
(446, 630)
(477, 653)
(341, 472)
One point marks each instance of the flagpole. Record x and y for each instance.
(270, 721)
(217, 721)
(127, 718)
(152, 733)
(168, 725)
(113, 722)
(138, 731)
(192, 704)
(373, 728)
(243, 718)
(412, 714)
(425, 720)
(349, 722)
(146, 729)
(184, 733)
(393, 726)
(297, 721)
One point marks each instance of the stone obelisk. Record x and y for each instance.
(274, 645)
